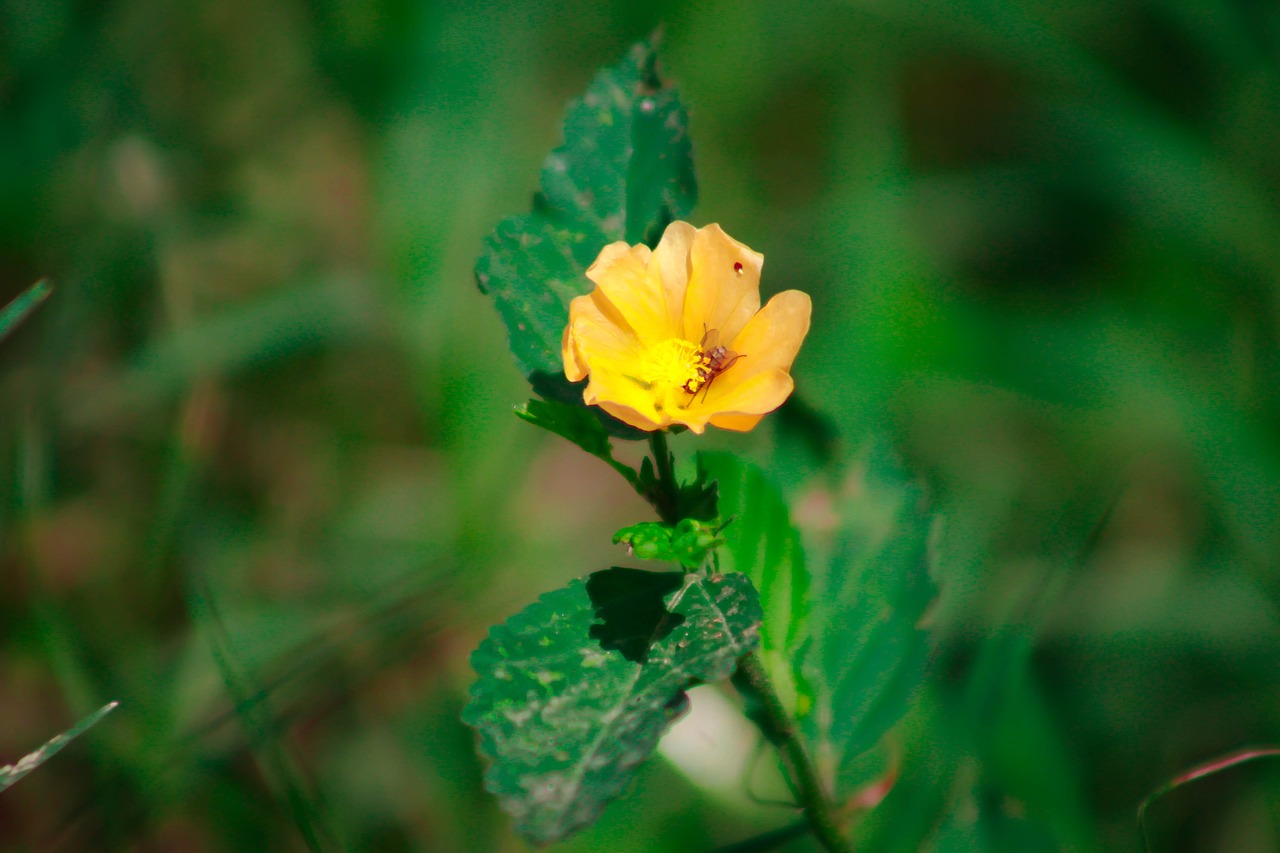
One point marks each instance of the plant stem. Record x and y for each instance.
(766, 711)
(667, 501)
(763, 705)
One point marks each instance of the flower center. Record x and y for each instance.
(674, 363)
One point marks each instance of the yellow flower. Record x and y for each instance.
(677, 335)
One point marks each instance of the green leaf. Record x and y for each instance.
(847, 655)
(17, 310)
(576, 423)
(761, 542)
(11, 773)
(585, 427)
(575, 690)
(870, 650)
(688, 542)
(624, 172)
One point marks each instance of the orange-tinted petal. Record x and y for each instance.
(757, 394)
(771, 339)
(575, 369)
(737, 423)
(631, 417)
(724, 285)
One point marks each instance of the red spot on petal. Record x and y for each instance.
(737, 267)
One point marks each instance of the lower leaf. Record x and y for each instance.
(576, 689)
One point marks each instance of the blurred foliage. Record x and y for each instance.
(26, 302)
(263, 485)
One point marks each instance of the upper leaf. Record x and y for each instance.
(624, 172)
(576, 689)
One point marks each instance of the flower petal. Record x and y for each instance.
(669, 270)
(724, 285)
(621, 274)
(737, 423)
(631, 417)
(771, 339)
(623, 397)
(596, 332)
(750, 395)
(575, 369)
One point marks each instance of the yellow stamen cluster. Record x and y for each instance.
(673, 368)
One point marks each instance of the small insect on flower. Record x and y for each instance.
(714, 359)
(677, 335)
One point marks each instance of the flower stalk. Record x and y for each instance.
(667, 499)
(766, 710)
(763, 707)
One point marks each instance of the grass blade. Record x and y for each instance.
(11, 773)
(1200, 771)
(17, 310)
(273, 756)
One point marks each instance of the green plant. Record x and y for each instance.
(574, 691)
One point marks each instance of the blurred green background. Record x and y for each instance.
(262, 484)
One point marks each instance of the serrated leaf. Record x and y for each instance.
(624, 172)
(26, 302)
(11, 773)
(575, 690)
(870, 649)
(847, 655)
(761, 542)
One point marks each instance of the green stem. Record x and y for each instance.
(763, 705)
(766, 711)
(667, 501)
